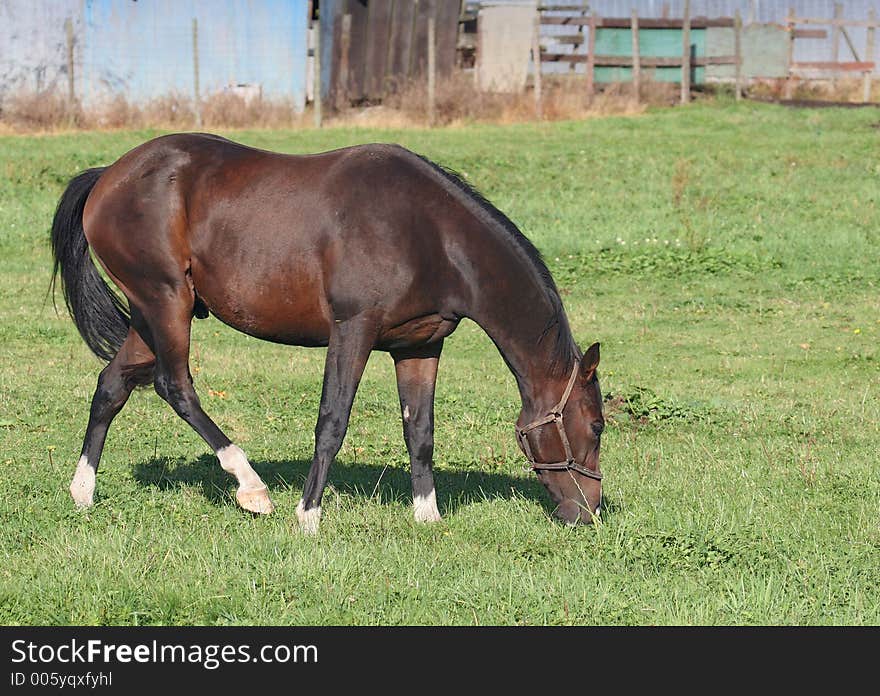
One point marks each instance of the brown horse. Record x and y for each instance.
(359, 249)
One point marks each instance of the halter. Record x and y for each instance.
(555, 416)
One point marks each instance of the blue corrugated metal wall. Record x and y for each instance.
(144, 49)
(33, 43)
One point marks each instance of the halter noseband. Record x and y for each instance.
(555, 416)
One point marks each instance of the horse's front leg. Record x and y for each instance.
(416, 376)
(349, 348)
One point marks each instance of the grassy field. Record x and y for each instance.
(726, 257)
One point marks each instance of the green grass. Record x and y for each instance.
(726, 257)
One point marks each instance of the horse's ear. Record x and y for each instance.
(590, 362)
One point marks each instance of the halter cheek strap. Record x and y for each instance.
(555, 416)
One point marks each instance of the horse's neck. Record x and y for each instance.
(521, 321)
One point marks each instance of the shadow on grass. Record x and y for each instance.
(454, 488)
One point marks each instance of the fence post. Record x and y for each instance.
(432, 72)
(344, 48)
(316, 78)
(869, 57)
(835, 33)
(591, 57)
(197, 105)
(835, 40)
(71, 87)
(686, 54)
(536, 59)
(637, 57)
(789, 81)
(737, 50)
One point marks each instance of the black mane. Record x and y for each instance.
(565, 350)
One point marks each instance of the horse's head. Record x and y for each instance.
(562, 445)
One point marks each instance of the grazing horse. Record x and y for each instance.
(363, 248)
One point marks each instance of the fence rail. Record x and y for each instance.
(579, 47)
(589, 24)
(860, 64)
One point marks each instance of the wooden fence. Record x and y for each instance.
(369, 49)
(590, 26)
(860, 64)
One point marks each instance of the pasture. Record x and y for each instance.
(727, 257)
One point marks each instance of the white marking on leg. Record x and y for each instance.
(425, 508)
(308, 519)
(406, 414)
(252, 493)
(82, 487)
(233, 460)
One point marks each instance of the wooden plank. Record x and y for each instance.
(418, 61)
(789, 80)
(342, 99)
(557, 8)
(836, 22)
(658, 23)
(316, 43)
(432, 70)
(737, 50)
(644, 23)
(591, 57)
(869, 56)
(644, 61)
(376, 53)
(811, 33)
(401, 41)
(563, 57)
(566, 38)
(357, 49)
(567, 21)
(848, 66)
(686, 54)
(835, 33)
(636, 57)
(447, 15)
(536, 67)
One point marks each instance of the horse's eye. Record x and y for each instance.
(598, 427)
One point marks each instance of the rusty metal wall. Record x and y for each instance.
(145, 49)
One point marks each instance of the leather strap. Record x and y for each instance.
(555, 416)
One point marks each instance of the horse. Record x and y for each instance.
(359, 249)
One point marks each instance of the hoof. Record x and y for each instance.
(256, 501)
(309, 520)
(82, 487)
(80, 498)
(425, 508)
(422, 515)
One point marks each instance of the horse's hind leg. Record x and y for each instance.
(132, 365)
(416, 376)
(169, 324)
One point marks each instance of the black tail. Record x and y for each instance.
(101, 317)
